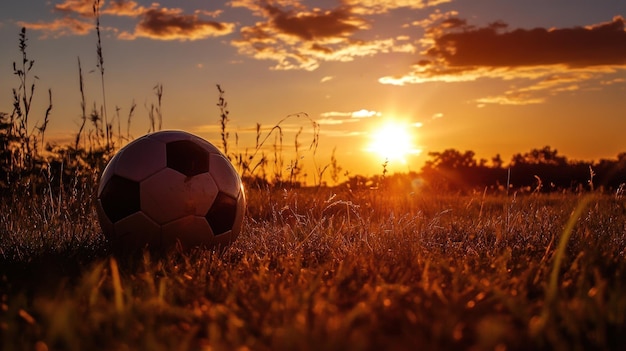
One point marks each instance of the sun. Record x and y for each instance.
(393, 141)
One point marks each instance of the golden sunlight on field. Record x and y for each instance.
(393, 141)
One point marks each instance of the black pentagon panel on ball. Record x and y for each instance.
(221, 216)
(120, 198)
(187, 157)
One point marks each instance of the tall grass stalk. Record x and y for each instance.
(46, 119)
(83, 106)
(131, 113)
(155, 112)
(22, 102)
(100, 65)
(118, 290)
(223, 106)
(552, 288)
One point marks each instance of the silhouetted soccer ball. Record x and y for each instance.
(170, 187)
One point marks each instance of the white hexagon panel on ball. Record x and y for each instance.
(144, 158)
(189, 232)
(137, 231)
(225, 175)
(170, 195)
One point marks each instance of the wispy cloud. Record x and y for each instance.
(383, 6)
(337, 118)
(60, 27)
(363, 113)
(510, 99)
(333, 121)
(335, 114)
(540, 89)
(557, 59)
(124, 8)
(613, 81)
(82, 8)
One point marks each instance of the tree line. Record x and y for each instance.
(539, 170)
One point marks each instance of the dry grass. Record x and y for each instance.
(328, 269)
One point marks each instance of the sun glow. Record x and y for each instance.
(393, 141)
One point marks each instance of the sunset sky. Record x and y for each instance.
(490, 76)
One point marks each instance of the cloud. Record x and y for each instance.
(613, 81)
(337, 118)
(383, 6)
(124, 8)
(437, 115)
(315, 25)
(511, 99)
(83, 8)
(326, 79)
(155, 22)
(559, 58)
(212, 14)
(296, 37)
(492, 46)
(294, 20)
(77, 17)
(172, 24)
(434, 17)
(60, 27)
(538, 91)
(336, 114)
(363, 113)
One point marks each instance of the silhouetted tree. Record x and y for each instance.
(545, 156)
(497, 161)
(451, 159)
(452, 170)
(540, 169)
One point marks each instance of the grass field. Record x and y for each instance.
(326, 269)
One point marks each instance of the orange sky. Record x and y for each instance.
(489, 76)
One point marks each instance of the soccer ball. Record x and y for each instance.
(170, 188)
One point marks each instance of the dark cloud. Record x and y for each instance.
(124, 8)
(492, 46)
(552, 60)
(171, 24)
(316, 24)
